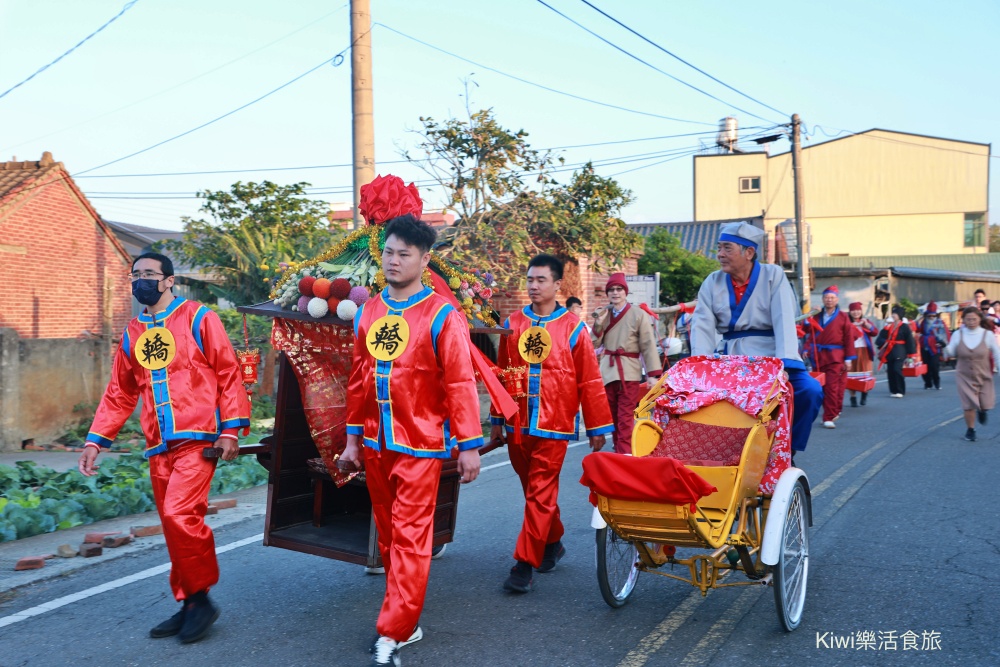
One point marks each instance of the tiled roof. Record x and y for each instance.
(700, 237)
(981, 263)
(15, 174)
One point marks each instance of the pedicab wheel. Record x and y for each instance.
(617, 567)
(792, 569)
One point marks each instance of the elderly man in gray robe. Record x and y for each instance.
(749, 308)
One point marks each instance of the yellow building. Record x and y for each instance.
(874, 193)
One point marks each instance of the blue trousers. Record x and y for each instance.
(808, 403)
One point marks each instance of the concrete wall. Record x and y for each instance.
(877, 193)
(42, 379)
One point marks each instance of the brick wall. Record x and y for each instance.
(60, 274)
(582, 279)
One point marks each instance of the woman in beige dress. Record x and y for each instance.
(978, 356)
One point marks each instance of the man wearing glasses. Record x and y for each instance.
(629, 343)
(177, 357)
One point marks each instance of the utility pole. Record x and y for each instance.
(802, 266)
(363, 118)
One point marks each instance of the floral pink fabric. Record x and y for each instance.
(748, 383)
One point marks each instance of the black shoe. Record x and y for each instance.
(854, 401)
(864, 397)
(981, 415)
(169, 627)
(553, 554)
(199, 615)
(519, 580)
(970, 434)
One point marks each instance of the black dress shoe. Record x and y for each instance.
(553, 554)
(199, 615)
(854, 401)
(169, 627)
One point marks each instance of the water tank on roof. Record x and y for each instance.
(728, 133)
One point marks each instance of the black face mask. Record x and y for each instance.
(146, 291)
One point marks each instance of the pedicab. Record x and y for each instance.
(711, 470)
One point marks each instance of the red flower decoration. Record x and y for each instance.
(306, 286)
(340, 288)
(386, 198)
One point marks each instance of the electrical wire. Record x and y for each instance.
(181, 84)
(539, 85)
(114, 18)
(677, 57)
(333, 60)
(650, 65)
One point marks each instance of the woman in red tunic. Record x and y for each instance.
(865, 331)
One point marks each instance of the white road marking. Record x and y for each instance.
(724, 626)
(111, 585)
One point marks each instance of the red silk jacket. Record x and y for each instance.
(197, 396)
(423, 402)
(566, 380)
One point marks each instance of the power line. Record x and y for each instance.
(677, 57)
(539, 85)
(182, 83)
(647, 64)
(334, 60)
(655, 164)
(345, 165)
(127, 7)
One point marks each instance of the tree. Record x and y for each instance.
(994, 238)
(509, 205)
(253, 227)
(681, 271)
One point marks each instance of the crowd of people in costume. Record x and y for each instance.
(412, 398)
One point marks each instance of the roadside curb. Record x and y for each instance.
(249, 503)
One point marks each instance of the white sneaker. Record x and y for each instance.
(829, 424)
(896, 395)
(374, 570)
(386, 650)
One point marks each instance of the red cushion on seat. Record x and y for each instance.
(658, 480)
(691, 441)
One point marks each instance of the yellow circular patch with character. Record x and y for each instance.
(535, 345)
(387, 338)
(155, 348)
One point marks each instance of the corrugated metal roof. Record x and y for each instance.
(938, 274)
(700, 237)
(983, 262)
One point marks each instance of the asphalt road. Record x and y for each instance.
(904, 551)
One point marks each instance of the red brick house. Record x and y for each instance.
(64, 299)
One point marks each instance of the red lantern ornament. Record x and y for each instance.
(249, 359)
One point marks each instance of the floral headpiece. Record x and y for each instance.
(386, 198)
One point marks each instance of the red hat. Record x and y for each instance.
(617, 279)
(832, 289)
(856, 306)
(931, 307)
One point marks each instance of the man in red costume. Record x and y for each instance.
(411, 398)
(629, 343)
(562, 375)
(177, 357)
(831, 346)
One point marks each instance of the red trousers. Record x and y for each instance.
(833, 390)
(181, 479)
(403, 490)
(538, 462)
(623, 397)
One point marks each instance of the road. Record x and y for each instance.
(906, 539)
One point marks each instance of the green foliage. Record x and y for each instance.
(911, 310)
(252, 228)
(37, 499)
(508, 203)
(681, 271)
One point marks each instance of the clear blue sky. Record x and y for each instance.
(915, 66)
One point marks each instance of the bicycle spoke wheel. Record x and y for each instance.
(617, 567)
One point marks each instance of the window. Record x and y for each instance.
(750, 184)
(975, 230)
